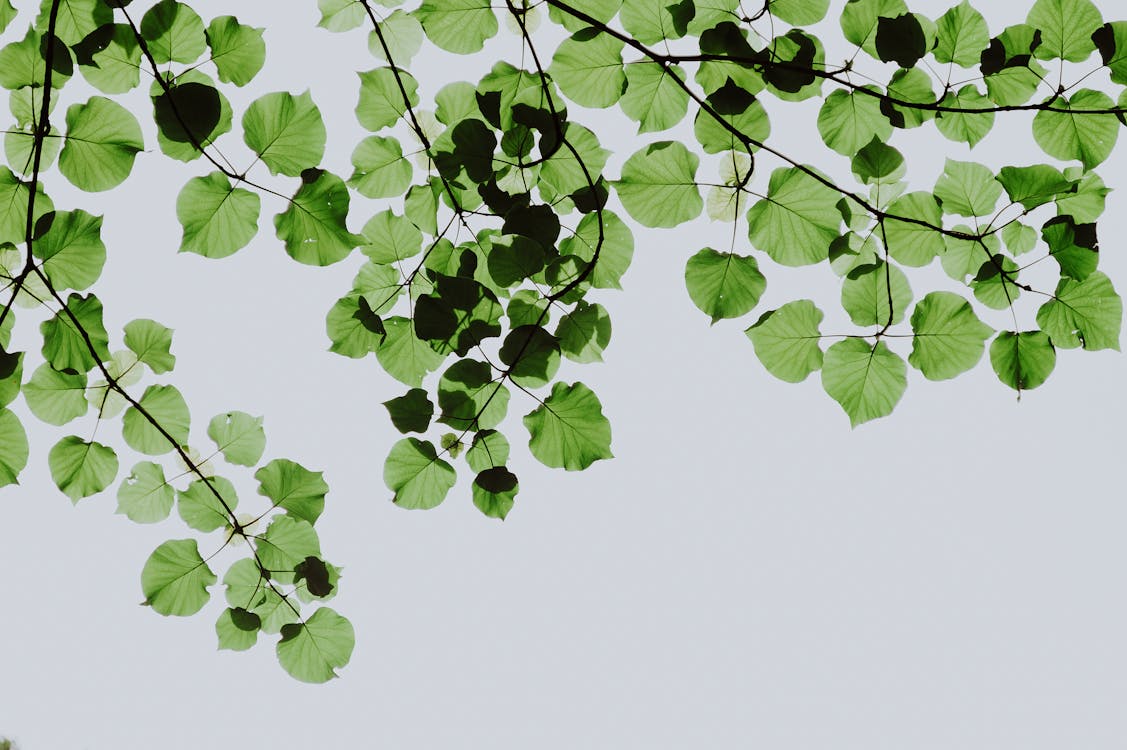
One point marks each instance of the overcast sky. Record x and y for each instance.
(747, 572)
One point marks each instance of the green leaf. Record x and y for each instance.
(312, 650)
(168, 409)
(488, 450)
(218, 219)
(965, 127)
(494, 490)
(71, 248)
(859, 20)
(658, 185)
(588, 68)
(13, 448)
(81, 469)
(615, 251)
(866, 294)
(403, 355)
(190, 115)
(14, 196)
(287, 541)
(102, 140)
(75, 19)
(867, 381)
(878, 163)
(22, 63)
(1023, 360)
(797, 221)
(470, 398)
(653, 97)
(849, 120)
(7, 14)
(201, 509)
(1035, 185)
(64, 345)
(411, 412)
(458, 26)
(237, 50)
(910, 243)
(967, 189)
(313, 226)
(1111, 40)
(239, 437)
(1087, 138)
(286, 132)
(417, 476)
(175, 578)
(11, 375)
(799, 12)
(724, 285)
(948, 339)
(379, 168)
(56, 397)
(568, 430)
(584, 333)
(174, 32)
(151, 342)
(145, 496)
(962, 36)
(786, 340)
(403, 35)
(1066, 28)
(341, 15)
(390, 238)
(1085, 313)
(237, 629)
(114, 68)
(381, 98)
(994, 283)
(293, 488)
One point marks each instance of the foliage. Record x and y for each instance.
(480, 276)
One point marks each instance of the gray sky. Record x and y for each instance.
(747, 572)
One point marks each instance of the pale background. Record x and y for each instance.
(747, 572)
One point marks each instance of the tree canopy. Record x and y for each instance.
(491, 218)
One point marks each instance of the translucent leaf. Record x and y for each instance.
(962, 36)
(949, 338)
(381, 98)
(379, 168)
(114, 64)
(797, 221)
(175, 578)
(1085, 313)
(532, 356)
(470, 397)
(218, 219)
(799, 12)
(293, 488)
(341, 15)
(494, 491)
(145, 496)
(102, 140)
(1023, 360)
(65, 347)
(168, 409)
(22, 63)
(403, 355)
(1087, 138)
(237, 50)
(867, 381)
(174, 32)
(1066, 28)
(201, 509)
(287, 541)
(488, 450)
(859, 20)
(658, 185)
(237, 629)
(967, 189)
(724, 285)
(13, 448)
(7, 14)
(458, 26)
(75, 19)
(584, 333)
(403, 35)
(390, 238)
(653, 97)
(314, 227)
(11, 375)
(588, 68)
(417, 476)
(13, 206)
(312, 650)
(849, 120)
(968, 128)
(1111, 40)
(866, 294)
(286, 132)
(568, 430)
(70, 245)
(239, 437)
(787, 340)
(55, 397)
(151, 342)
(1035, 185)
(81, 469)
